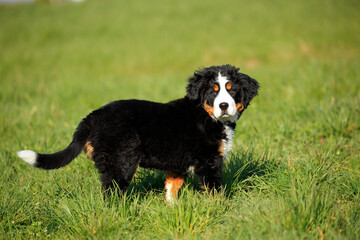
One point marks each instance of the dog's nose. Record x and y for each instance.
(224, 106)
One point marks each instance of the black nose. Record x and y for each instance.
(223, 106)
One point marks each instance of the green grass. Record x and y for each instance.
(294, 172)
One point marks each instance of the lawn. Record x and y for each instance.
(294, 172)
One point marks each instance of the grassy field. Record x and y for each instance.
(294, 172)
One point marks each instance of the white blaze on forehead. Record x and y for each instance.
(224, 97)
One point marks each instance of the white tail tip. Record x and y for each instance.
(28, 156)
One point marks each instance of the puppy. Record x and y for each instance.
(190, 135)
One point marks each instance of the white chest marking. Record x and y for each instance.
(228, 142)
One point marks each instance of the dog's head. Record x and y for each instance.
(222, 91)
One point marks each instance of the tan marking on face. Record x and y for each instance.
(228, 86)
(173, 183)
(89, 150)
(216, 88)
(208, 109)
(239, 107)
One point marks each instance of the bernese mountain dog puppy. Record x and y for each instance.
(191, 135)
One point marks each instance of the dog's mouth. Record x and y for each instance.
(226, 117)
(225, 113)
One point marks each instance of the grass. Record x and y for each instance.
(294, 172)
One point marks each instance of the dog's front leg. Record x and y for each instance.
(210, 178)
(173, 183)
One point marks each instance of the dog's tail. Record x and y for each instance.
(62, 158)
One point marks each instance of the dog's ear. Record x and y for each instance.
(249, 87)
(196, 86)
(192, 89)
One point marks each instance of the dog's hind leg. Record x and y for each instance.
(117, 155)
(118, 177)
(117, 170)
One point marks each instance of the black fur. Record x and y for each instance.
(171, 137)
(64, 157)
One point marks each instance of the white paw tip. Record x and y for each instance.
(28, 156)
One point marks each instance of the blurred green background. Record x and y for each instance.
(59, 60)
(66, 59)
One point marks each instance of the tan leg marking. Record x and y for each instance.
(173, 183)
(208, 191)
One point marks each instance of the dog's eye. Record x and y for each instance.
(216, 88)
(228, 86)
